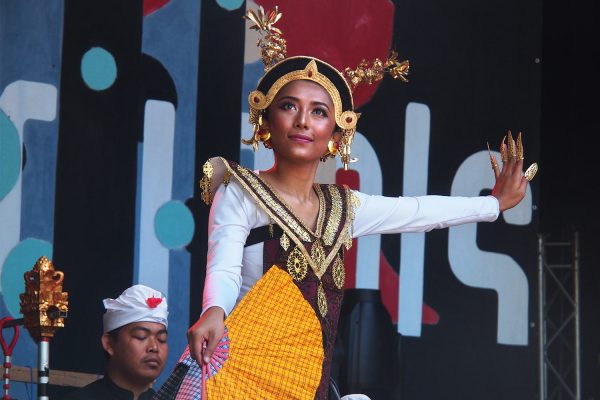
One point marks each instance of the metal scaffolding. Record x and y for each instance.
(558, 319)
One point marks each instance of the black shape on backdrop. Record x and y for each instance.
(157, 83)
(568, 174)
(366, 355)
(453, 49)
(220, 73)
(97, 166)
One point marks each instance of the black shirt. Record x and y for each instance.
(105, 389)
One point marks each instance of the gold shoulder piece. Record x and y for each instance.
(207, 174)
(214, 174)
(226, 177)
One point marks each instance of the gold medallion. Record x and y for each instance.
(297, 265)
(339, 275)
(322, 300)
(284, 241)
(318, 256)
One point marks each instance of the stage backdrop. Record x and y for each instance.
(109, 109)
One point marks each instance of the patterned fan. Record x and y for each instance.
(272, 348)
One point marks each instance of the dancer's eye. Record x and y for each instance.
(320, 111)
(287, 106)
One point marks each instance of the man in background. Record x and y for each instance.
(135, 344)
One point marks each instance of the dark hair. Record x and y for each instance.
(114, 335)
(299, 63)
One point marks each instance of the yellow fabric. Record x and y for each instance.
(276, 349)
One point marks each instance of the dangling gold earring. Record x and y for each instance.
(264, 136)
(256, 119)
(333, 147)
(344, 147)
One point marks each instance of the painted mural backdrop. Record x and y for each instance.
(109, 109)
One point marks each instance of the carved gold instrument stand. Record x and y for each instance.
(44, 307)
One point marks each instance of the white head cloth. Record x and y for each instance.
(138, 303)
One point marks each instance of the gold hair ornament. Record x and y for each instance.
(345, 120)
(272, 45)
(364, 73)
(259, 101)
(273, 50)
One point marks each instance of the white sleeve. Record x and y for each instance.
(228, 226)
(380, 214)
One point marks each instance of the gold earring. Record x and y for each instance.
(333, 147)
(256, 119)
(264, 136)
(344, 147)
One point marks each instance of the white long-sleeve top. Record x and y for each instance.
(231, 269)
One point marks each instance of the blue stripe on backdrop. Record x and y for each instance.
(30, 44)
(175, 45)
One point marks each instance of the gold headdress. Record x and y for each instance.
(280, 70)
(272, 45)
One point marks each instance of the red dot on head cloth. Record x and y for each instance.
(138, 303)
(153, 302)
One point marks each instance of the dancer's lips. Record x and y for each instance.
(297, 137)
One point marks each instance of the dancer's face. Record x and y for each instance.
(301, 120)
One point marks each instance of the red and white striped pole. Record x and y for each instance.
(8, 349)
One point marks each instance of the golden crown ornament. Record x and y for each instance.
(281, 69)
(272, 45)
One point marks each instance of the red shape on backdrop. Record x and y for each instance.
(341, 33)
(389, 282)
(388, 278)
(152, 5)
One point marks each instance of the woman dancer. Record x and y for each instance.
(275, 269)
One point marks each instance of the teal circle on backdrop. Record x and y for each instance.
(98, 68)
(230, 4)
(21, 258)
(174, 224)
(10, 155)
